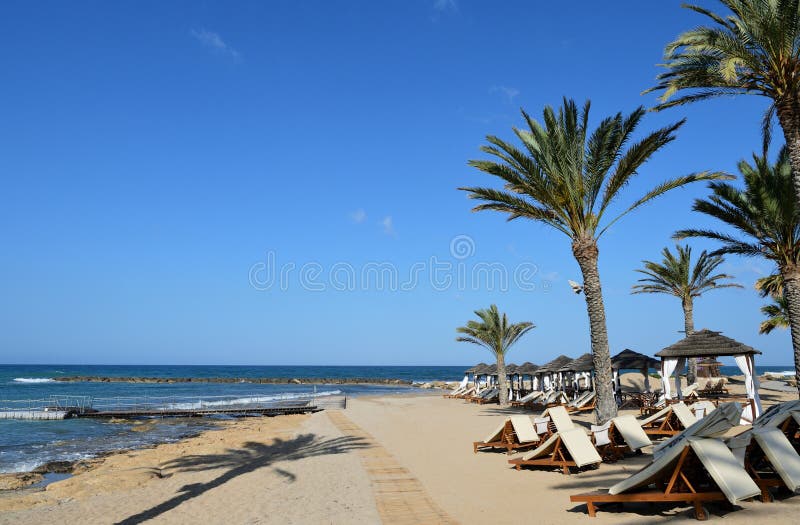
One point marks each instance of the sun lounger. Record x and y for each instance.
(766, 451)
(620, 435)
(716, 424)
(516, 432)
(527, 399)
(465, 394)
(570, 448)
(674, 477)
(560, 418)
(587, 401)
(669, 421)
(483, 394)
(455, 392)
(490, 397)
(713, 389)
(553, 398)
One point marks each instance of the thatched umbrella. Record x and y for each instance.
(707, 343)
(479, 371)
(580, 368)
(527, 369)
(547, 371)
(630, 360)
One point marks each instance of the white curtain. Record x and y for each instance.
(746, 365)
(667, 368)
(647, 387)
(464, 382)
(546, 381)
(615, 378)
(535, 383)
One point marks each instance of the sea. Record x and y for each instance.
(26, 445)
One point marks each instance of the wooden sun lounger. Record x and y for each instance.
(528, 399)
(669, 421)
(702, 470)
(571, 448)
(587, 401)
(772, 462)
(515, 433)
(490, 398)
(619, 436)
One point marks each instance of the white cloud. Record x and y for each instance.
(445, 5)
(508, 92)
(358, 216)
(388, 225)
(214, 42)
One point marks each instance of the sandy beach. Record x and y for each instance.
(392, 459)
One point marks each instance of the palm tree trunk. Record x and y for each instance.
(586, 253)
(688, 326)
(791, 281)
(789, 118)
(502, 384)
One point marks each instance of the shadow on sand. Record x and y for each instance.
(252, 456)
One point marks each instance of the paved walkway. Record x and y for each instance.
(400, 497)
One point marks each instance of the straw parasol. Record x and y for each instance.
(708, 343)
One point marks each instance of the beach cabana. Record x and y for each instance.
(527, 369)
(707, 343)
(549, 371)
(513, 383)
(630, 360)
(577, 371)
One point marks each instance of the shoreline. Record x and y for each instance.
(254, 380)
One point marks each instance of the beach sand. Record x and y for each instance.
(394, 459)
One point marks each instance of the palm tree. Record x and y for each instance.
(676, 276)
(494, 333)
(766, 217)
(567, 177)
(777, 312)
(753, 50)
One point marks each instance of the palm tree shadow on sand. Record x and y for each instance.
(252, 456)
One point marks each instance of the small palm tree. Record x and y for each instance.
(767, 218)
(568, 177)
(777, 312)
(494, 333)
(676, 276)
(755, 49)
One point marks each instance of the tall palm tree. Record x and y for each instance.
(754, 49)
(777, 312)
(676, 276)
(568, 176)
(497, 335)
(766, 217)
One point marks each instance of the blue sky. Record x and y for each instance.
(156, 156)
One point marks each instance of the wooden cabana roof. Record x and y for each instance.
(630, 360)
(554, 365)
(527, 368)
(491, 369)
(511, 369)
(481, 369)
(582, 364)
(706, 343)
(475, 368)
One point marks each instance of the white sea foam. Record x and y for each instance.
(249, 400)
(34, 380)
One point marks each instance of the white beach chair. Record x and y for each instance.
(560, 418)
(669, 421)
(528, 398)
(618, 436)
(515, 432)
(570, 448)
(671, 477)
